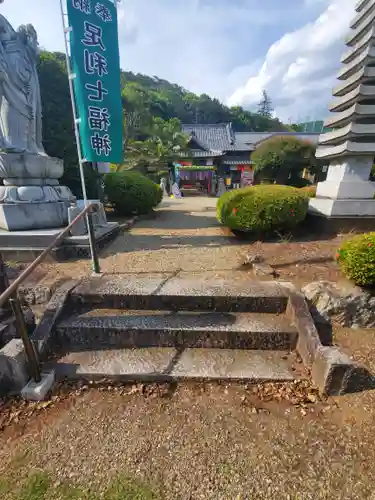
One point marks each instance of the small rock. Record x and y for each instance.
(251, 259)
(347, 305)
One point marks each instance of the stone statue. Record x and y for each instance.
(20, 108)
(163, 186)
(31, 197)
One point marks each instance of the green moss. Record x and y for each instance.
(39, 486)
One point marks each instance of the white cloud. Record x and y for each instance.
(213, 46)
(299, 69)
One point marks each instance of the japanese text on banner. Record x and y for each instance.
(96, 66)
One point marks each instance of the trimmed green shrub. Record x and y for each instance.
(357, 259)
(262, 209)
(131, 193)
(224, 199)
(310, 191)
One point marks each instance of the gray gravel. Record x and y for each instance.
(207, 442)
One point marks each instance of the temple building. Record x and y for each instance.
(349, 148)
(217, 151)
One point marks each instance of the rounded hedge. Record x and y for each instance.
(263, 208)
(310, 191)
(224, 199)
(357, 259)
(131, 193)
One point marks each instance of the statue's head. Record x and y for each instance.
(29, 36)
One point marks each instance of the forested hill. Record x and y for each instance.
(144, 98)
(167, 100)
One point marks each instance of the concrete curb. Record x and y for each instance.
(331, 370)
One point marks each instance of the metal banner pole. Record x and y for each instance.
(71, 76)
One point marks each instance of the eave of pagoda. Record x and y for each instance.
(367, 57)
(355, 96)
(350, 131)
(355, 112)
(347, 148)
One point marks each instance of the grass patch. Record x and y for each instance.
(40, 486)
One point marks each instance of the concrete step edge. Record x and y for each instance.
(158, 364)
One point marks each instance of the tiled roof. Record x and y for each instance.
(304, 136)
(219, 137)
(237, 162)
(247, 140)
(216, 137)
(199, 153)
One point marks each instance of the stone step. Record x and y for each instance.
(168, 364)
(98, 329)
(203, 293)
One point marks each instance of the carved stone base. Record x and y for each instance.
(25, 216)
(25, 169)
(36, 194)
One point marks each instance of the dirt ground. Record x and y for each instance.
(194, 441)
(203, 441)
(184, 235)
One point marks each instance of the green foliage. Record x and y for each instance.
(261, 209)
(153, 112)
(146, 97)
(131, 192)
(163, 146)
(283, 159)
(357, 259)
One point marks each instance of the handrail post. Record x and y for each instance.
(92, 240)
(31, 354)
(4, 281)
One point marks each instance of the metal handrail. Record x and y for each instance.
(10, 294)
(26, 273)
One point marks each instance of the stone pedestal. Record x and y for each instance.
(347, 192)
(99, 217)
(31, 197)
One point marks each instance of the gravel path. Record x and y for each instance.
(184, 235)
(207, 442)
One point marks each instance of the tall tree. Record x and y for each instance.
(283, 158)
(164, 145)
(265, 106)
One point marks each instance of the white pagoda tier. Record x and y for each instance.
(349, 147)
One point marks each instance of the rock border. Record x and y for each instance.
(332, 371)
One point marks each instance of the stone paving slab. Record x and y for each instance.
(121, 285)
(206, 285)
(127, 363)
(231, 364)
(172, 364)
(163, 291)
(222, 330)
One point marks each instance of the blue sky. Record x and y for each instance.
(230, 49)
